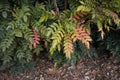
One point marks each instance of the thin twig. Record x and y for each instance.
(56, 7)
(66, 4)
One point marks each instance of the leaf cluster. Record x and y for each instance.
(66, 29)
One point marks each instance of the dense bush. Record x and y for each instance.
(68, 30)
(113, 43)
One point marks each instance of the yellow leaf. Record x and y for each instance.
(107, 27)
(83, 8)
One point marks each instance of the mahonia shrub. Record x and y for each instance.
(113, 43)
(21, 35)
(86, 15)
(66, 29)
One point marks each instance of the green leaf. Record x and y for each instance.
(42, 18)
(25, 18)
(17, 33)
(83, 8)
(4, 14)
(82, 2)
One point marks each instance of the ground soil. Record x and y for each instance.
(87, 69)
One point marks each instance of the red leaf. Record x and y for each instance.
(34, 45)
(35, 39)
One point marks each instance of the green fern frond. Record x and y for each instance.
(73, 4)
(50, 30)
(17, 33)
(22, 13)
(28, 34)
(7, 43)
(42, 31)
(23, 51)
(57, 39)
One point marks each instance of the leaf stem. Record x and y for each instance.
(56, 7)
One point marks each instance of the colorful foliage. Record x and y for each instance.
(57, 26)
